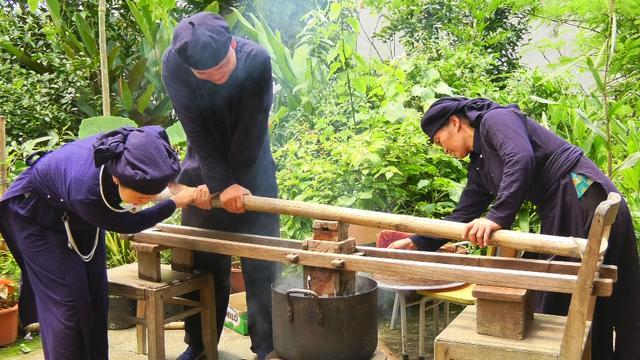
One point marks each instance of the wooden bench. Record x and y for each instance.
(547, 337)
(153, 285)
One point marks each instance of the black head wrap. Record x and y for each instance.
(141, 158)
(202, 41)
(439, 112)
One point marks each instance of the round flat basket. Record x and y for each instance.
(408, 282)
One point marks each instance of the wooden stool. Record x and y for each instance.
(460, 340)
(151, 297)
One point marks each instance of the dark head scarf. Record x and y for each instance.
(202, 41)
(141, 158)
(439, 112)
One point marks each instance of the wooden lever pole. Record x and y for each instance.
(547, 244)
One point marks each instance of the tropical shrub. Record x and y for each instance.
(442, 27)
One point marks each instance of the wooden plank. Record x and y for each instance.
(559, 267)
(501, 311)
(149, 266)
(478, 275)
(127, 276)
(603, 287)
(499, 293)
(579, 308)
(546, 244)
(505, 319)
(182, 259)
(330, 230)
(208, 318)
(329, 237)
(182, 301)
(341, 247)
(146, 248)
(155, 325)
(184, 314)
(243, 238)
(141, 330)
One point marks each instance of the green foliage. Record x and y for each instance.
(39, 85)
(284, 16)
(496, 28)
(18, 151)
(140, 88)
(355, 141)
(118, 250)
(100, 124)
(9, 268)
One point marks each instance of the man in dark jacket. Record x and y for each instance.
(221, 89)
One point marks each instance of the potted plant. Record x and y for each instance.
(8, 312)
(237, 281)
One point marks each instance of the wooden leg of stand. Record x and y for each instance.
(141, 330)
(155, 324)
(208, 316)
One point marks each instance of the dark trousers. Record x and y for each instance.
(258, 274)
(67, 295)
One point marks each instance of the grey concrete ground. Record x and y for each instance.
(233, 346)
(122, 346)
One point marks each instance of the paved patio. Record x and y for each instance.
(233, 346)
(122, 346)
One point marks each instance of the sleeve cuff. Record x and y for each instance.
(504, 222)
(217, 186)
(426, 243)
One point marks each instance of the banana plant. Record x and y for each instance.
(140, 87)
(137, 85)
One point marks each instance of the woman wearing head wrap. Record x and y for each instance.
(512, 159)
(54, 218)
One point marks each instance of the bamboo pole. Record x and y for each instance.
(546, 244)
(447, 272)
(3, 157)
(104, 71)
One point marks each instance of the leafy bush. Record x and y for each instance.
(39, 92)
(497, 28)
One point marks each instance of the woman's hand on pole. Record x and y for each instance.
(185, 197)
(203, 198)
(479, 231)
(403, 244)
(231, 198)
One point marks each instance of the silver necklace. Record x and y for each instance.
(72, 244)
(127, 209)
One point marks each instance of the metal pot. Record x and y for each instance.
(308, 327)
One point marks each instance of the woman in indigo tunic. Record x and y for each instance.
(54, 218)
(512, 159)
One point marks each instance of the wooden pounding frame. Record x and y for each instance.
(559, 267)
(475, 274)
(591, 280)
(531, 274)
